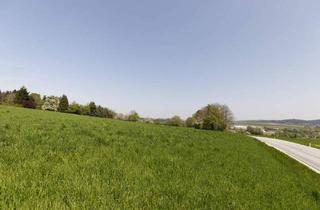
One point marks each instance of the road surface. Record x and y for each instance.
(306, 155)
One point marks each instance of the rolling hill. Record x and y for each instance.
(52, 160)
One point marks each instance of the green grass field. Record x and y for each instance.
(60, 161)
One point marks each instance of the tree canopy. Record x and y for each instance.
(211, 117)
(64, 104)
(176, 121)
(51, 103)
(133, 116)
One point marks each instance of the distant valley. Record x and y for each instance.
(288, 122)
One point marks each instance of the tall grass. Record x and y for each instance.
(60, 161)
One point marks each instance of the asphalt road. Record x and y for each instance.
(306, 155)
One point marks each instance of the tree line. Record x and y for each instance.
(24, 98)
(211, 117)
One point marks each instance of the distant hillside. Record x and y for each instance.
(282, 122)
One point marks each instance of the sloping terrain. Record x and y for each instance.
(57, 161)
(307, 155)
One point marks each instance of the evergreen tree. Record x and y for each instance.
(22, 95)
(64, 104)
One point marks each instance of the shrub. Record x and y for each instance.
(133, 116)
(75, 108)
(29, 104)
(255, 130)
(51, 103)
(176, 121)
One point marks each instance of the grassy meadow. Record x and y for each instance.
(61, 161)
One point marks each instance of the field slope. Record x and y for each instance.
(60, 161)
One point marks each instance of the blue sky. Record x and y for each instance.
(167, 57)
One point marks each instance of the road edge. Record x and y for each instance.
(280, 150)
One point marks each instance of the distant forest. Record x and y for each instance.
(211, 117)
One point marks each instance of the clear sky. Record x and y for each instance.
(167, 57)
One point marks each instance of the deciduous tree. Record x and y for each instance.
(133, 116)
(37, 100)
(51, 103)
(176, 121)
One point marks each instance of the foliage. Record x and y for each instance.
(8, 97)
(176, 121)
(84, 110)
(120, 116)
(160, 121)
(30, 103)
(23, 98)
(22, 95)
(51, 103)
(212, 117)
(133, 116)
(75, 108)
(61, 161)
(105, 112)
(37, 100)
(191, 122)
(64, 104)
(92, 109)
(255, 130)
